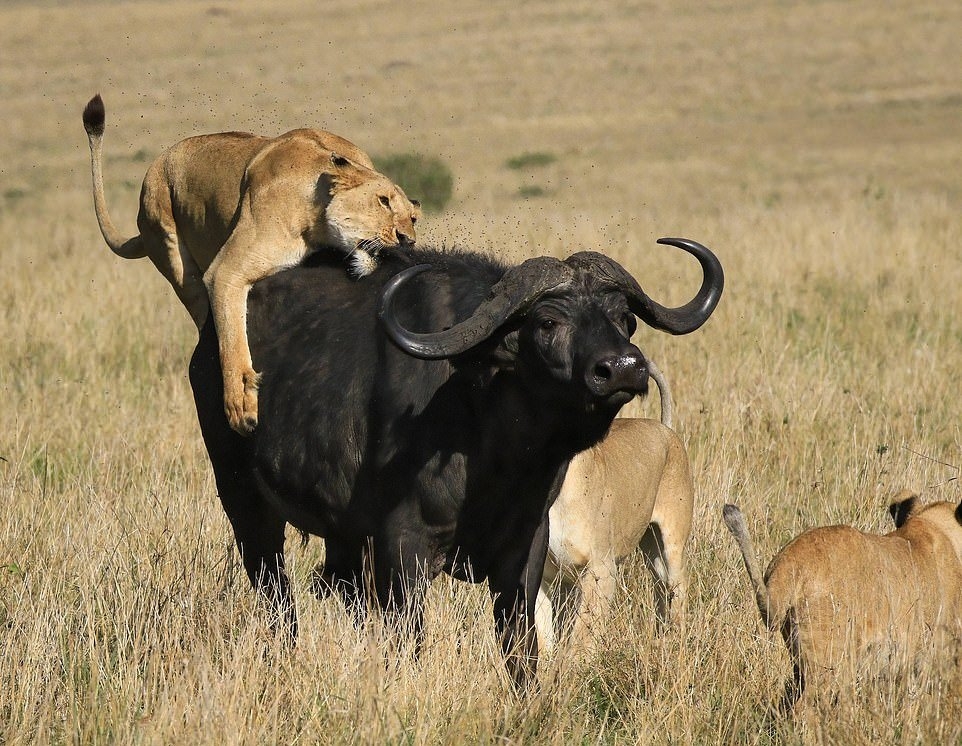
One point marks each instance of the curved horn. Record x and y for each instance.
(681, 320)
(514, 293)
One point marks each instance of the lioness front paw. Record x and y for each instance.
(240, 402)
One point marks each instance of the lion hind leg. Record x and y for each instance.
(597, 586)
(544, 620)
(193, 292)
(165, 246)
(177, 265)
(664, 558)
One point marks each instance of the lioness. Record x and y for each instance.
(219, 212)
(632, 490)
(846, 601)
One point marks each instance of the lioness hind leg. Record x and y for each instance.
(664, 558)
(182, 272)
(598, 585)
(158, 233)
(663, 543)
(193, 292)
(544, 620)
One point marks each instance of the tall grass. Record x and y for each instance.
(825, 381)
(821, 172)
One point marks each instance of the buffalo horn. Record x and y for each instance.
(518, 288)
(681, 320)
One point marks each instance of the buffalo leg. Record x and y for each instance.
(514, 586)
(260, 539)
(258, 529)
(344, 572)
(400, 580)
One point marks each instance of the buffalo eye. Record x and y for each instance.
(384, 201)
(547, 324)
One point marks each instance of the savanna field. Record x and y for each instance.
(815, 147)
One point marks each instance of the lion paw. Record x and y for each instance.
(240, 403)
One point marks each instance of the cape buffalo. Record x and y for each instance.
(417, 452)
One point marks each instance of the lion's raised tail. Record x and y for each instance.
(664, 392)
(736, 524)
(94, 117)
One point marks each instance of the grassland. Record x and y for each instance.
(817, 147)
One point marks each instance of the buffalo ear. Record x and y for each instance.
(505, 353)
(497, 352)
(905, 504)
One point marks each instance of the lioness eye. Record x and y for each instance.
(384, 200)
(414, 219)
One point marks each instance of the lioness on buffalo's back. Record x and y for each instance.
(219, 212)
(848, 602)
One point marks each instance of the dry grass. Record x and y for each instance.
(816, 147)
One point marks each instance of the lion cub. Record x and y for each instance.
(849, 601)
(219, 212)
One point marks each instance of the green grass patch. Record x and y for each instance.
(532, 190)
(536, 159)
(424, 178)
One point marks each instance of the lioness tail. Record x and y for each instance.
(94, 117)
(736, 524)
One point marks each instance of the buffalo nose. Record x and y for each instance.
(626, 372)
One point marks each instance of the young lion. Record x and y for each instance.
(219, 212)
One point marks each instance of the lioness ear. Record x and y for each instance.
(347, 174)
(901, 510)
(417, 208)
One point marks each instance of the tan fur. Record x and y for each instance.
(633, 489)
(847, 602)
(219, 212)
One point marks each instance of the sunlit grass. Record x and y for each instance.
(818, 169)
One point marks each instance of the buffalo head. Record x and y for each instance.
(564, 326)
